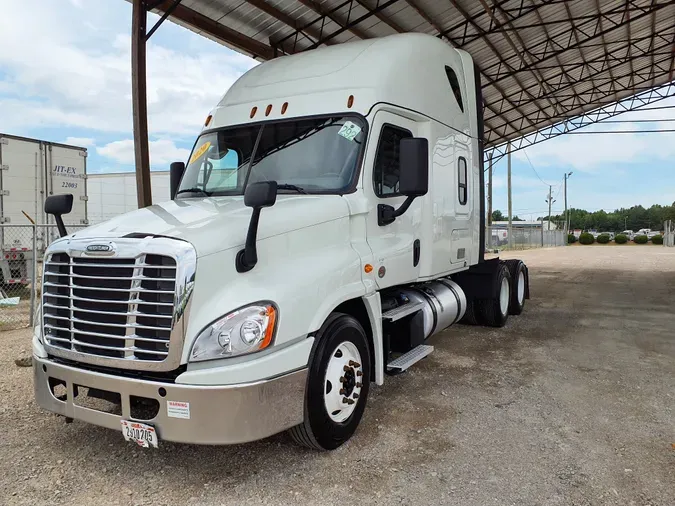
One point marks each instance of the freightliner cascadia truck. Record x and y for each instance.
(327, 225)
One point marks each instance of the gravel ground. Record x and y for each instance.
(571, 403)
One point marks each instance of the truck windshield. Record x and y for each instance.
(316, 155)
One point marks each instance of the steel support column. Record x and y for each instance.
(139, 102)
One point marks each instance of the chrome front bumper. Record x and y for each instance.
(217, 414)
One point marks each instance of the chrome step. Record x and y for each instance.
(415, 355)
(402, 311)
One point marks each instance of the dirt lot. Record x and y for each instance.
(572, 403)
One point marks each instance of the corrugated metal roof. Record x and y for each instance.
(542, 61)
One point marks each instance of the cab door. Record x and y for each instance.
(395, 246)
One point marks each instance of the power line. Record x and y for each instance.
(535, 170)
(636, 120)
(665, 130)
(658, 108)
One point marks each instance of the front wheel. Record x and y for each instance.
(338, 381)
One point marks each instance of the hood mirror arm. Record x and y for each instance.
(248, 257)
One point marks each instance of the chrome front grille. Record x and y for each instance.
(120, 308)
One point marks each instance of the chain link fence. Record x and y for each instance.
(669, 233)
(23, 248)
(523, 237)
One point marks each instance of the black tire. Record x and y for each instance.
(516, 268)
(318, 431)
(491, 312)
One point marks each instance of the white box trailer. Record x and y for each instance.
(113, 194)
(33, 169)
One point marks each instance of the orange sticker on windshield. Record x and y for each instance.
(200, 152)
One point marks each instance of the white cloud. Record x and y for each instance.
(593, 152)
(69, 77)
(162, 152)
(84, 142)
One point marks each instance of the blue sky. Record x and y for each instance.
(65, 77)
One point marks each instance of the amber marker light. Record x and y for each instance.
(271, 322)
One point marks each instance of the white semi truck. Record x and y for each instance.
(328, 223)
(30, 171)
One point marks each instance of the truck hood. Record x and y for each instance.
(220, 223)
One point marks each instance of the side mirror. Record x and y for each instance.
(257, 196)
(58, 205)
(414, 157)
(176, 170)
(413, 179)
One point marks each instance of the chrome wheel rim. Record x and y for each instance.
(521, 287)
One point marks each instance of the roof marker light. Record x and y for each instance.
(284, 107)
(268, 110)
(350, 101)
(253, 111)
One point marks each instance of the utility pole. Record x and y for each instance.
(567, 216)
(139, 102)
(550, 201)
(489, 216)
(510, 238)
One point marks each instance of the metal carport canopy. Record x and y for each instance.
(547, 66)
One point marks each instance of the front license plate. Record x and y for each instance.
(140, 433)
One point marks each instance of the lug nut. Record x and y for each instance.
(354, 364)
(343, 391)
(342, 379)
(349, 401)
(358, 385)
(345, 400)
(346, 368)
(359, 373)
(356, 396)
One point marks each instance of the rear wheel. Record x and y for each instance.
(472, 313)
(337, 384)
(518, 286)
(494, 311)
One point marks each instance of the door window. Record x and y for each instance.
(462, 189)
(387, 167)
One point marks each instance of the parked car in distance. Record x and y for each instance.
(499, 237)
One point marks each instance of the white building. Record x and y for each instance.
(525, 224)
(113, 194)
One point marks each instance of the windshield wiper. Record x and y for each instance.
(291, 187)
(193, 190)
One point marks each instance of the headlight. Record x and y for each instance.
(246, 330)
